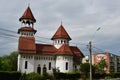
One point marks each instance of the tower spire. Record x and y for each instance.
(61, 22)
(27, 20)
(28, 15)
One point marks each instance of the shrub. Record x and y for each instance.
(33, 76)
(99, 75)
(70, 76)
(115, 74)
(9, 75)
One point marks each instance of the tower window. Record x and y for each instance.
(26, 64)
(66, 65)
(49, 65)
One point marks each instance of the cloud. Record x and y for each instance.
(81, 18)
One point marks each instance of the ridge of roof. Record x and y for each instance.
(61, 33)
(64, 49)
(28, 15)
(45, 49)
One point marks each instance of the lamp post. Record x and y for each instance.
(90, 50)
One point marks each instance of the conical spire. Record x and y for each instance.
(61, 33)
(28, 15)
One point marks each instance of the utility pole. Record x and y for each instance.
(90, 49)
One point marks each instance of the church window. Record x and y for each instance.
(50, 58)
(23, 56)
(66, 65)
(61, 41)
(29, 57)
(64, 41)
(75, 67)
(54, 58)
(55, 41)
(26, 64)
(58, 41)
(46, 58)
(49, 65)
(41, 57)
(39, 69)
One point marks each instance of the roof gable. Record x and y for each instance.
(61, 33)
(64, 49)
(28, 15)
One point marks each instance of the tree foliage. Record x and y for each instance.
(100, 67)
(9, 62)
(85, 67)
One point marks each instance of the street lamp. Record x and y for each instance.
(90, 50)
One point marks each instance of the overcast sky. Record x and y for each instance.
(80, 18)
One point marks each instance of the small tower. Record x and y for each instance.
(60, 37)
(26, 43)
(27, 32)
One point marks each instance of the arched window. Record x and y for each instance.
(39, 69)
(26, 64)
(66, 65)
(49, 65)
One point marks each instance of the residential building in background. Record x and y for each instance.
(112, 61)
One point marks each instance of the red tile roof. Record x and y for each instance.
(27, 44)
(64, 50)
(28, 15)
(61, 33)
(27, 29)
(76, 51)
(45, 49)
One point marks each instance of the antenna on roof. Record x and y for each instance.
(29, 4)
(61, 22)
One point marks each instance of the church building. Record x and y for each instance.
(34, 56)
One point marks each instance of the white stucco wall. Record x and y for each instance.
(21, 64)
(35, 60)
(45, 60)
(59, 42)
(61, 63)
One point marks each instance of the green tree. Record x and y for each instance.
(9, 62)
(100, 67)
(85, 69)
(13, 60)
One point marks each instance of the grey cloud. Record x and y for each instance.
(80, 18)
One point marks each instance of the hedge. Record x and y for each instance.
(9, 75)
(114, 75)
(70, 76)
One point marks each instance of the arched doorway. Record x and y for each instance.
(39, 69)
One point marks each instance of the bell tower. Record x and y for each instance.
(60, 37)
(26, 39)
